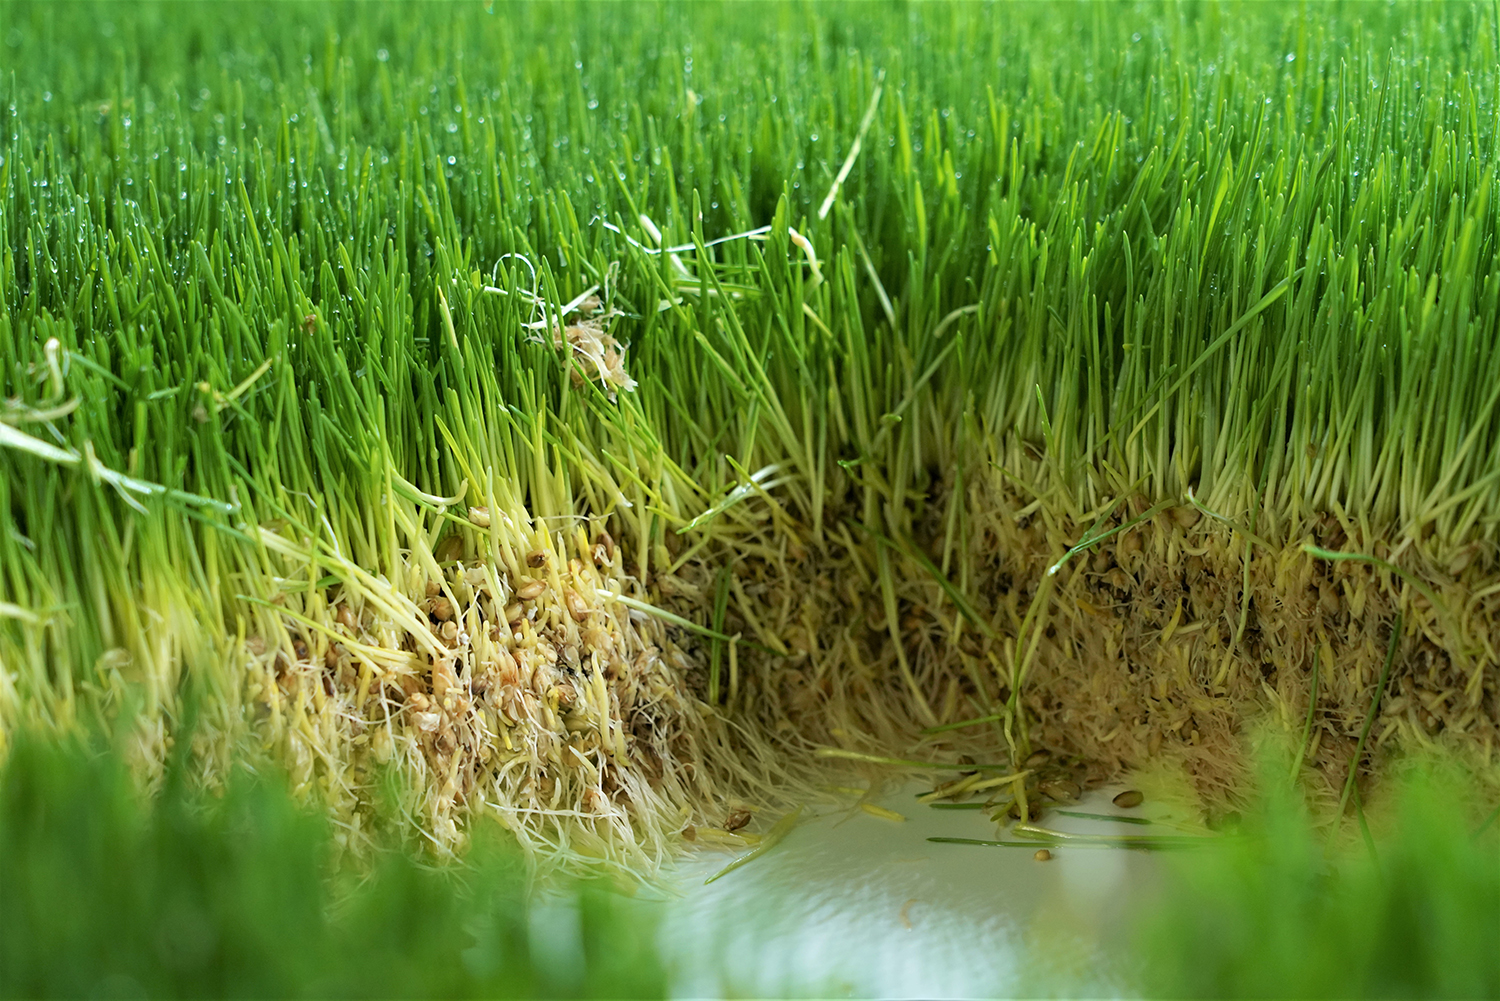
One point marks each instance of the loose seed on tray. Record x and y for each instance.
(1129, 798)
(1062, 790)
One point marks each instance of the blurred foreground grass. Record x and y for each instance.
(106, 893)
(1412, 910)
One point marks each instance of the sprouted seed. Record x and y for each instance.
(773, 837)
(731, 839)
(954, 789)
(882, 812)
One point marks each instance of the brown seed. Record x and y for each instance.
(450, 549)
(1038, 759)
(531, 590)
(690, 833)
(736, 820)
(347, 619)
(1328, 598)
(442, 609)
(604, 540)
(1186, 516)
(331, 656)
(1131, 543)
(514, 612)
(445, 689)
(1129, 798)
(577, 607)
(1034, 811)
(434, 589)
(1042, 855)
(1062, 790)
(1461, 560)
(536, 558)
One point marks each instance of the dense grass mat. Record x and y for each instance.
(588, 410)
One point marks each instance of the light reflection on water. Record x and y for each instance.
(852, 905)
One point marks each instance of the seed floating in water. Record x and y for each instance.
(1129, 798)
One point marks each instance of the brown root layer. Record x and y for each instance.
(1165, 643)
(508, 684)
(547, 681)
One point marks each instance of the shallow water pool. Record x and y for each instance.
(854, 905)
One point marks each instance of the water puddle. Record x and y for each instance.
(854, 905)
